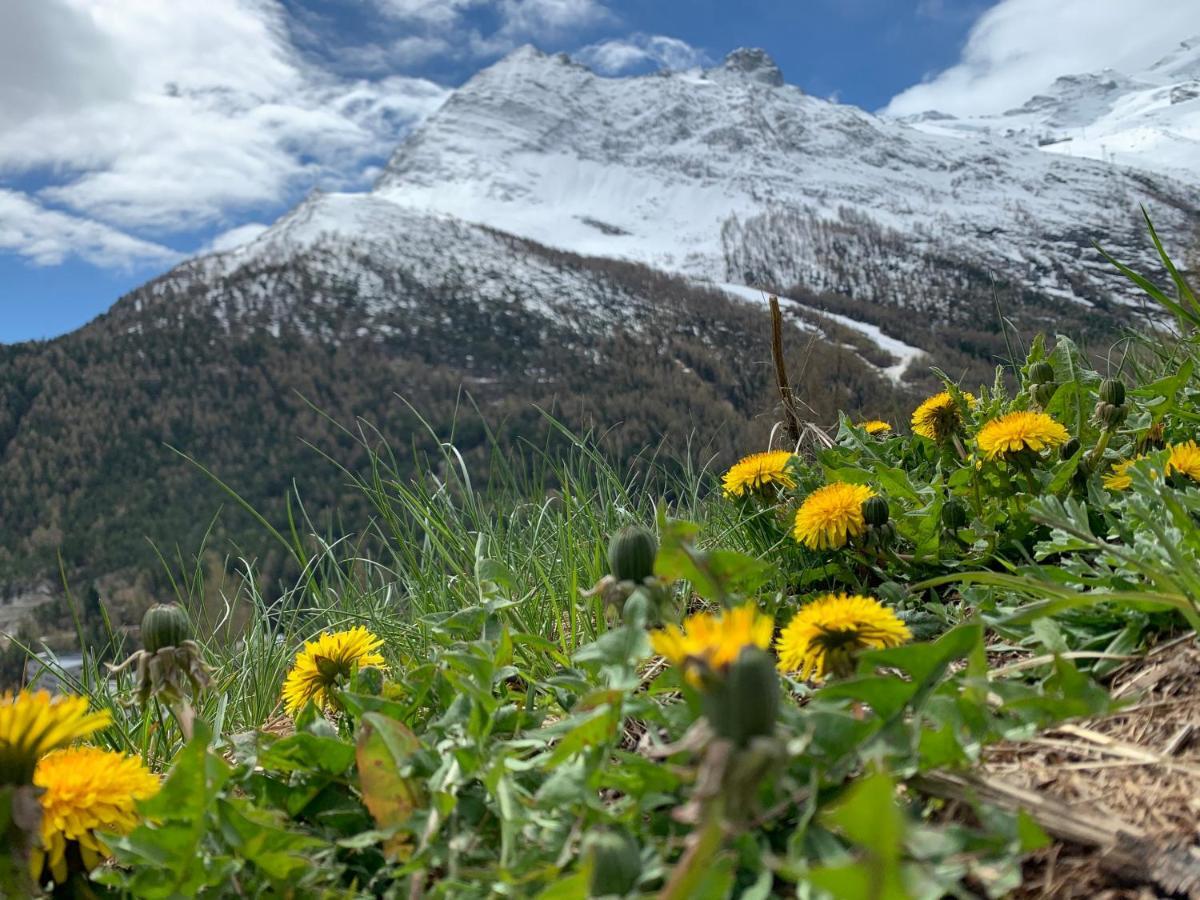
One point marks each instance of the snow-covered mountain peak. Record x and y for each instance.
(732, 176)
(749, 63)
(526, 63)
(1149, 119)
(1077, 100)
(1181, 63)
(693, 171)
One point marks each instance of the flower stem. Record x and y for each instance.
(958, 445)
(1101, 446)
(693, 865)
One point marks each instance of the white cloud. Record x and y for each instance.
(550, 18)
(442, 28)
(125, 124)
(234, 237)
(414, 49)
(531, 18)
(1018, 47)
(154, 114)
(47, 237)
(618, 55)
(437, 13)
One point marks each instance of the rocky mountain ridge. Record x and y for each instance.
(1147, 119)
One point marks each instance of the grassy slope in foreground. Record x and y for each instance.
(522, 737)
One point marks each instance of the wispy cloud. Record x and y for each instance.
(452, 28)
(636, 51)
(551, 18)
(1018, 47)
(234, 237)
(124, 123)
(47, 237)
(435, 13)
(150, 115)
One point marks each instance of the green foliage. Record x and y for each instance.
(524, 740)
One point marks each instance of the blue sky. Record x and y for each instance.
(136, 133)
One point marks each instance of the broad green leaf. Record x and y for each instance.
(196, 779)
(384, 749)
(939, 749)
(284, 856)
(592, 729)
(304, 752)
(869, 817)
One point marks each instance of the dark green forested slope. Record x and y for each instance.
(87, 421)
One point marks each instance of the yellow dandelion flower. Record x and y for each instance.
(939, 416)
(712, 641)
(1119, 478)
(34, 723)
(875, 426)
(325, 664)
(758, 471)
(85, 790)
(832, 515)
(1018, 432)
(1185, 459)
(823, 637)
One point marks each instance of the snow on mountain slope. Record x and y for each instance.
(392, 259)
(727, 175)
(903, 353)
(384, 253)
(700, 171)
(1148, 119)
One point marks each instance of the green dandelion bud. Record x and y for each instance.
(1044, 392)
(1110, 415)
(1041, 373)
(875, 511)
(954, 514)
(1112, 390)
(746, 704)
(616, 863)
(631, 554)
(164, 625)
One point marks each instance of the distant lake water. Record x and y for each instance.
(37, 676)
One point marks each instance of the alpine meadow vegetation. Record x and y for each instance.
(783, 678)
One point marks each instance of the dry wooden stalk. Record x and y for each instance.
(791, 420)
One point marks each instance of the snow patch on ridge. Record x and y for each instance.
(902, 352)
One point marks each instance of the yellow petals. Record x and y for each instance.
(32, 723)
(758, 471)
(938, 417)
(86, 790)
(325, 663)
(713, 640)
(1184, 459)
(824, 635)
(1119, 478)
(1020, 431)
(831, 516)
